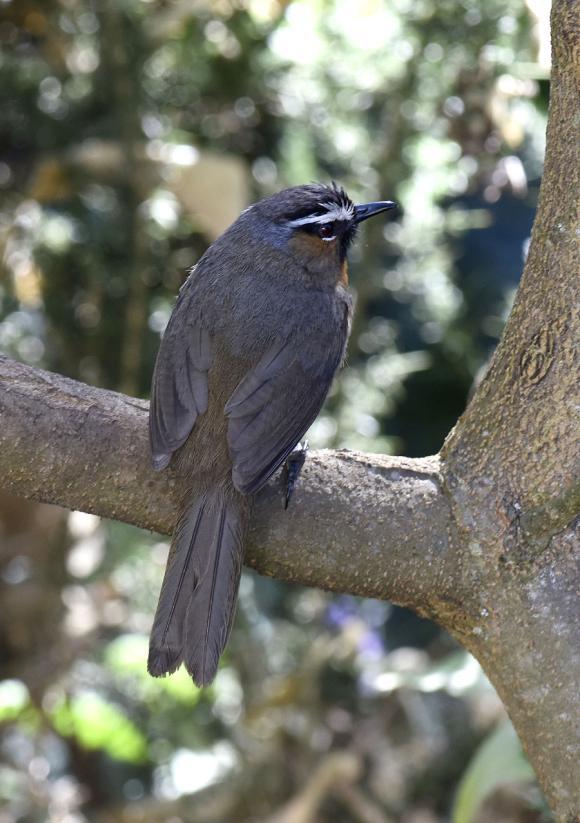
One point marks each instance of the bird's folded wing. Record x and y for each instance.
(272, 408)
(179, 390)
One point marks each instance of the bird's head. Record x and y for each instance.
(316, 224)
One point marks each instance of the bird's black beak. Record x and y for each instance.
(370, 209)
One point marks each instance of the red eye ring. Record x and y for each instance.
(326, 231)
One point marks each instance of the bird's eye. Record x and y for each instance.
(327, 231)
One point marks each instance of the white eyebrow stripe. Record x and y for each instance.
(337, 213)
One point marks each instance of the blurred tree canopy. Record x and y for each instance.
(132, 133)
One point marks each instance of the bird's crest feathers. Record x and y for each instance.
(315, 203)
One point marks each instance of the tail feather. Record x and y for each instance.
(198, 598)
(211, 611)
(167, 634)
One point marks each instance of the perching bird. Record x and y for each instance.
(259, 329)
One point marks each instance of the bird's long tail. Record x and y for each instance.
(198, 597)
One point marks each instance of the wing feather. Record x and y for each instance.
(179, 391)
(273, 407)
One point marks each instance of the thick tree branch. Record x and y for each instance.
(511, 467)
(379, 527)
(521, 427)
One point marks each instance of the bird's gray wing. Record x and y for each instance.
(272, 408)
(179, 391)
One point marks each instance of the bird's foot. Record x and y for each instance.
(292, 469)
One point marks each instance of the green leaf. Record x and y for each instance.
(128, 654)
(97, 724)
(14, 699)
(498, 761)
(127, 657)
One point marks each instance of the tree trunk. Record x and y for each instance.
(480, 538)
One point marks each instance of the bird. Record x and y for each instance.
(258, 331)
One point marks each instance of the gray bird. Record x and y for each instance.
(258, 331)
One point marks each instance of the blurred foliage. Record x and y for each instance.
(497, 762)
(132, 133)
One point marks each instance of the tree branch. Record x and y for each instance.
(374, 526)
(511, 468)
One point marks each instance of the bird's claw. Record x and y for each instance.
(292, 469)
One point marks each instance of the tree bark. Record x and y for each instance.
(482, 538)
(510, 468)
(383, 524)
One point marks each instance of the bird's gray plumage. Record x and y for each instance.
(273, 406)
(259, 329)
(198, 598)
(180, 390)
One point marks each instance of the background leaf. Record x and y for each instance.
(499, 761)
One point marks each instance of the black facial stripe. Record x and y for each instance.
(312, 228)
(338, 227)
